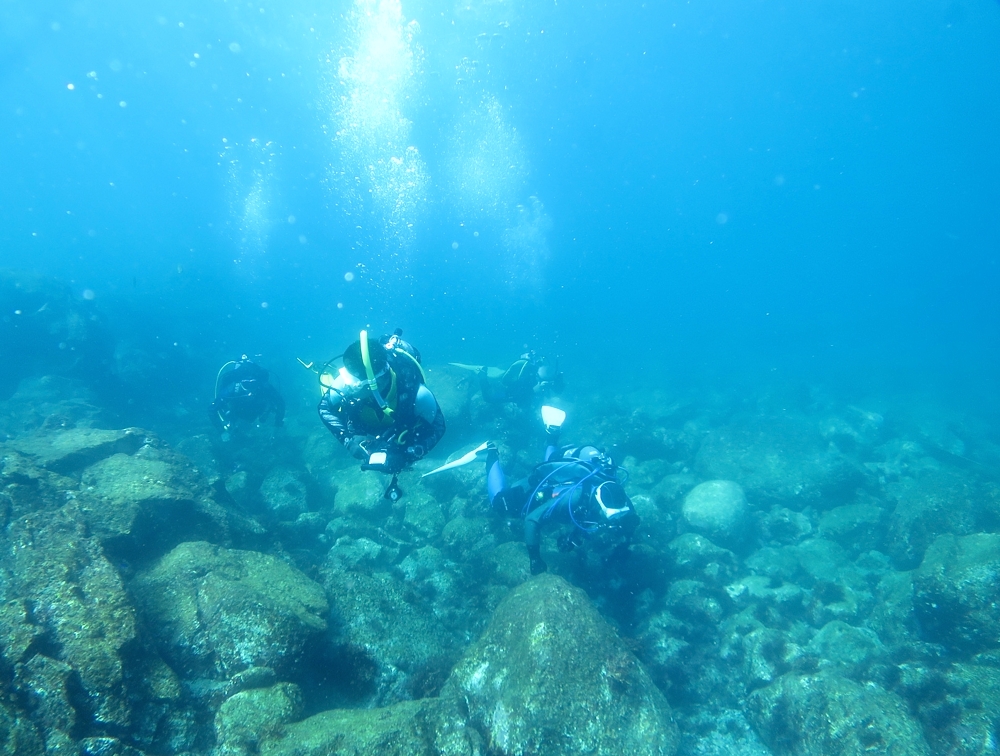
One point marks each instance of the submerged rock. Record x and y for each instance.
(78, 602)
(858, 527)
(847, 649)
(781, 461)
(70, 450)
(250, 716)
(388, 643)
(50, 402)
(960, 710)
(550, 676)
(429, 727)
(717, 509)
(956, 592)
(216, 611)
(284, 494)
(936, 502)
(18, 736)
(817, 715)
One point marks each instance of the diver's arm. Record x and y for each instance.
(215, 415)
(551, 443)
(429, 426)
(331, 412)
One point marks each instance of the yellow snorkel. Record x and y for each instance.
(372, 380)
(366, 357)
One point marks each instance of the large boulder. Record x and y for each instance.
(215, 612)
(387, 642)
(78, 603)
(250, 716)
(429, 727)
(959, 707)
(133, 492)
(956, 592)
(143, 504)
(550, 676)
(69, 450)
(937, 501)
(717, 509)
(49, 401)
(816, 715)
(285, 494)
(783, 461)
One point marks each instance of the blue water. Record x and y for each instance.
(760, 238)
(724, 189)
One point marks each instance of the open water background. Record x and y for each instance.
(727, 194)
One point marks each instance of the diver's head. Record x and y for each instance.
(592, 456)
(372, 352)
(611, 500)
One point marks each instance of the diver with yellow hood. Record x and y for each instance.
(378, 406)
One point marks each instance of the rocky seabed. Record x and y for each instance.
(813, 582)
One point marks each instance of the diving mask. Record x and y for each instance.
(612, 499)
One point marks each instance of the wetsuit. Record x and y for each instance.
(559, 490)
(528, 376)
(406, 433)
(245, 396)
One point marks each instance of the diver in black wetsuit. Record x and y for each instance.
(244, 396)
(379, 408)
(528, 377)
(577, 486)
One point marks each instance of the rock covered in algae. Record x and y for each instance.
(428, 727)
(717, 509)
(391, 645)
(18, 735)
(928, 504)
(956, 592)
(250, 716)
(72, 449)
(780, 461)
(79, 603)
(216, 611)
(817, 715)
(550, 676)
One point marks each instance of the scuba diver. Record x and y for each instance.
(243, 397)
(528, 377)
(578, 486)
(379, 408)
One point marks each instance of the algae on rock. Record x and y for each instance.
(550, 676)
(428, 727)
(216, 611)
(817, 715)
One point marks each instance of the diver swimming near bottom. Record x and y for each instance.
(576, 486)
(244, 396)
(379, 407)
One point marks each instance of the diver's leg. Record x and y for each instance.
(533, 539)
(490, 394)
